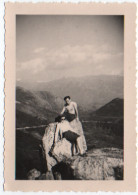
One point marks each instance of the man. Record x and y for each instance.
(70, 110)
(64, 130)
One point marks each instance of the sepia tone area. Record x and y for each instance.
(94, 160)
(79, 56)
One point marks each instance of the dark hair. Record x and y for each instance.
(67, 97)
(58, 119)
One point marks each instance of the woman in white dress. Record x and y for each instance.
(64, 130)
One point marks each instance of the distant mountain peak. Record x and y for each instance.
(90, 92)
(113, 109)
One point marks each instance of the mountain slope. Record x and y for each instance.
(35, 108)
(111, 109)
(90, 92)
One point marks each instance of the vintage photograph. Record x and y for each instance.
(69, 97)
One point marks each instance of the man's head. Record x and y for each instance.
(67, 99)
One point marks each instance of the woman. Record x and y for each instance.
(64, 130)
(70, 111)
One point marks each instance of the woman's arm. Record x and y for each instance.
(57, 133)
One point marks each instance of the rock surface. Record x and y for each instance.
(76, 124)
(33, 174)
(48, 141)
(98, 164)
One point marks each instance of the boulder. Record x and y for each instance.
(62, 150)
(98, 164)
(33, 174)
(48, 142)
(77, 126)
(57, 153)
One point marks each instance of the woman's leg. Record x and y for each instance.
(72, 149)
(78, 146)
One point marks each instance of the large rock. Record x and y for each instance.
(98, 164)
(33, 174)
(77, 126)
(48, 141)
(62, 149)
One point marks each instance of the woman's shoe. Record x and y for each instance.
(83, 155)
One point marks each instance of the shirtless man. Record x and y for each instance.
(70, 110)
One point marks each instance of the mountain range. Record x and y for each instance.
(90, 92)
(40, 108)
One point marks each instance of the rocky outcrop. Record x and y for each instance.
(98, 164)
(33, 174)
(62, 150)
(48, 141)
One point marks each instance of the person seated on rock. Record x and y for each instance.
(64, 130)
(70, 110)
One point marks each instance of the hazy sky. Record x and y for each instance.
(52, 47)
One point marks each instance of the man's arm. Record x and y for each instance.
(76, 110)
(63, 110)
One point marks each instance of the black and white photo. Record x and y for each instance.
(69, 97)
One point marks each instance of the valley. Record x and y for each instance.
(103, 128)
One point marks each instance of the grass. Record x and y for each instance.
(98, 137)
